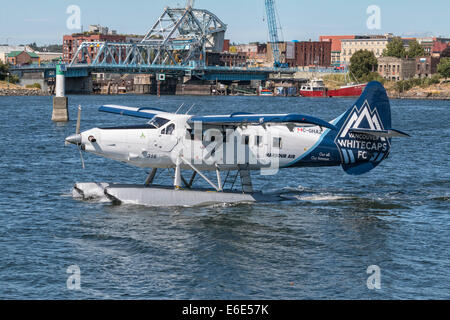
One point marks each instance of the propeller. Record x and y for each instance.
(76, 138)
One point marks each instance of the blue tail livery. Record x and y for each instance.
(364, 136)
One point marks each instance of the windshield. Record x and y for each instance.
(158, 122)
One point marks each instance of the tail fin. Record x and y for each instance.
(364, 139)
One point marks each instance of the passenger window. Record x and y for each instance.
(258, 141)
(277, 143)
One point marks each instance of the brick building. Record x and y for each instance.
(439, 47)
(313, 53)
(5, 50)
(226, 59)
(20, 58)
(396, 69)
(72, 42)
(426, 66)
(336, 47)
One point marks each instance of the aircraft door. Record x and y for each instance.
(167, 139)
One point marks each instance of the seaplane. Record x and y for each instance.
(235, 145)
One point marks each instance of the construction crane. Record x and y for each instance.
(273, 33)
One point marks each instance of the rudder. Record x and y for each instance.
(360, 140)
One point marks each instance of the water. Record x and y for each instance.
(317, 246)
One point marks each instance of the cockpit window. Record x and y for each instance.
(158, 122)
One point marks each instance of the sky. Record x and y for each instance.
(44, 21)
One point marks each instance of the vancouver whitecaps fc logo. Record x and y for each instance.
(358, 147)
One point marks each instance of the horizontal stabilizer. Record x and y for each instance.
(145, 113)
(238, 119)
(391, 133)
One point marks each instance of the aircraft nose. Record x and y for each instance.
(74, 139)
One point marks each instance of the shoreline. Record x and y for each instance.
(22, 92)
(403, 96)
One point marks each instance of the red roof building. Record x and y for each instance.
(438, 47)
(336, 47)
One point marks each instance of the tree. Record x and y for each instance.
(33, 46)
(362, 64)
(446, 52)
(395, 48)
(444, 67)
(415, 50)
(4, 69)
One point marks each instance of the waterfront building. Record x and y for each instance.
(6, 50)
(226, 59)
(336, 47)
(313, 54)
(375, 44)
(21, 58)
(255, 52)
(426, 66)
(46, 57)
(287, 53)
(396, 69)
(439, 47)
(72, 42)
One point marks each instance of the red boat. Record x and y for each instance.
(316, 88)
(354, 90)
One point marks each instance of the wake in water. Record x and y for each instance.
(95, 193)
(90, 192)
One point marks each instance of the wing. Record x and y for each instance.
(145, 113)
(237, 119)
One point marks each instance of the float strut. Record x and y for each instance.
(151, 177)
(178, 179)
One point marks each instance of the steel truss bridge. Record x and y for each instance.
(177, 45)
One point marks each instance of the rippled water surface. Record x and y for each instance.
(316, 246)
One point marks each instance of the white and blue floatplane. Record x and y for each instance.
(235, 145)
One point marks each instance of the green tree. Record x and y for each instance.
(395, 48)
(33, 46)
(415, 50)
(4, 69)
(362, 64)
(444, 67)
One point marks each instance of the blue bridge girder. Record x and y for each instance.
(200, 72)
